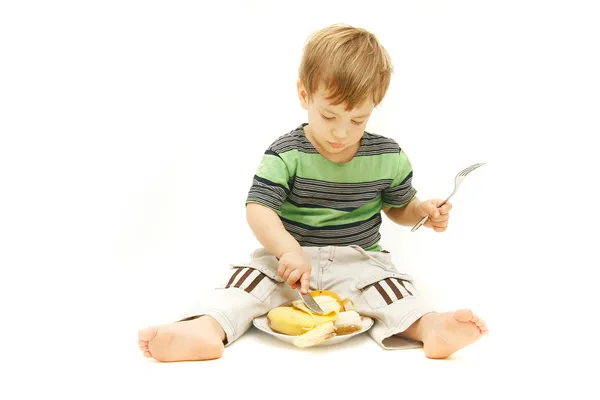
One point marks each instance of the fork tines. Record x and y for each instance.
(469, 169)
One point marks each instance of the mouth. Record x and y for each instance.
(336, 145)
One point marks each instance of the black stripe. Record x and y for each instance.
(348, 185)
(309, 193)
(402, 193)
(408, 177)
(357, 231)
(339, 198)
(269, 183)
(333, 227)
(388, 147)
(272, 153)
(399, 201)
(365, 236)
(331, 206)
(365, 244)
(328, 233)
(264, 201)
(266, 194)
(371, 144)
(344, 194)
(294, 140)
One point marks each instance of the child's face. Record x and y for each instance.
(337, 132)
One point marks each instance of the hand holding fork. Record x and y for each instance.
(457, 181)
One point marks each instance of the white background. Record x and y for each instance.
(130, 132)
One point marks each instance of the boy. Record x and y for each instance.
(315, 205)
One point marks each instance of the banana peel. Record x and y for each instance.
(316, 335)
(348, 304)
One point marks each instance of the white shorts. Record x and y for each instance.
(370, 279)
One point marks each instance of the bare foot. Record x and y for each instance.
(446, 333)
(194, 340)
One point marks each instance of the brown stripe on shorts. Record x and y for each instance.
(394, 288)
(236, 273)
(255, 282)
(404, 286)
(383, 293)
(243, 278)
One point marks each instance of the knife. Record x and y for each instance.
(310, 302)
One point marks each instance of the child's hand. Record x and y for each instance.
(295, 268)
(438, 216)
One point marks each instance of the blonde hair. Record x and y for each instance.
(350, 63)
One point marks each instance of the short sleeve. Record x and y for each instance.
(270, 186)
(400, 192)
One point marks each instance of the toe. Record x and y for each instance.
(484, 328)
(147, 334)
(147, 354)
(143, 345)
(464, 315)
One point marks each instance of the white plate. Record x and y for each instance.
(262, 323)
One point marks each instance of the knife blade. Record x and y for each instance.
(310, 302)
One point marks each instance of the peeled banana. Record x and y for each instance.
(293, 321)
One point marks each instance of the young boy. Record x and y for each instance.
(315, 205)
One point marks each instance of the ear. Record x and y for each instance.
(302, 95)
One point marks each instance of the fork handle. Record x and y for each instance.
(425, 218)
(420, 224)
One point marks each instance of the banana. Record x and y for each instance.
(315, 336)
(328, 304)
(347, 322)
(292, 321)
(311, 329)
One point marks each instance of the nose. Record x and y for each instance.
(340, 133)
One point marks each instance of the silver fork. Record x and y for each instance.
(457, 181)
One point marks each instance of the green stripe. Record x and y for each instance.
(319, 217)
(359, 169)
(274, 169)
(404, 168)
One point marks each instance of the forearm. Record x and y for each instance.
(269, 230)
(407, 215)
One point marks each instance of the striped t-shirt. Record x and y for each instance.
(322, 203)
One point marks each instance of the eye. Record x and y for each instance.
(326, 118)
(357, 122)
